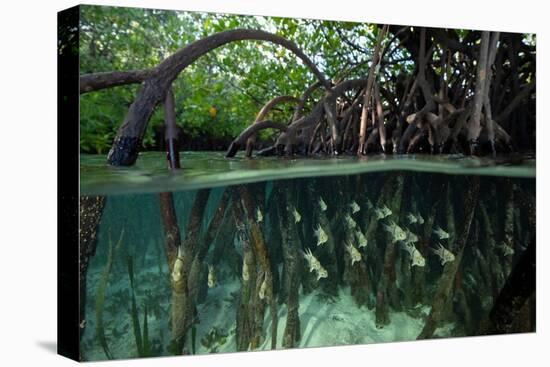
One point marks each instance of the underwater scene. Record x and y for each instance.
(240, 255)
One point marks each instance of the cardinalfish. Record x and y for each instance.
(321, 235)
(414, 219)
(397, 233)
(211, 277)
(416, 257)
(245, 273)
(315, 265)
(445, 255)
(354, 254)
(361, 239)
(296, 214)
(439, 232)
(322, 204)
(382, 212)
(263, 289)
(354, 207)
(506, 250)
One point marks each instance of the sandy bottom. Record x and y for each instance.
(323, 322)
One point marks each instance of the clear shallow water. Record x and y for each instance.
(212, 169)
(383, 293)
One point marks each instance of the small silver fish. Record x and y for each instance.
(361, 239)
(397, 233)
(263, 289)
(245, 273)
(382, 213)
(297, 216)
(315, 265)
(416, 257)
(259, 215)
(439, 232)
(322, 204)
(321, 235)
(350, 221)
(211, 277)
(445, 255)
(506, 250)
(322, 273)
(354, 254)
(419, 219)
(411, 218)
(387, 211)
(354, 207)
(177, 271)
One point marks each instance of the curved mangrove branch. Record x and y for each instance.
(303, 99)
(249, 131)
(261, 116)
(103, 80)
(126, 144)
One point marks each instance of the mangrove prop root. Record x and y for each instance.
(387, 289)
(91, 210)
(170, 226)
(520, 285)
(261, 256)
(171, 134)
(246, 310)
(194, 283)
(446, 282)
(291, 248)
(183, 307)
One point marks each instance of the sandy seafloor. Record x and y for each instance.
(333, 322)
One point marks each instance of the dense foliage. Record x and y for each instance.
(219, 95)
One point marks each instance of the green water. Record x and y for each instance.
(212, 169)
(378, 286)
